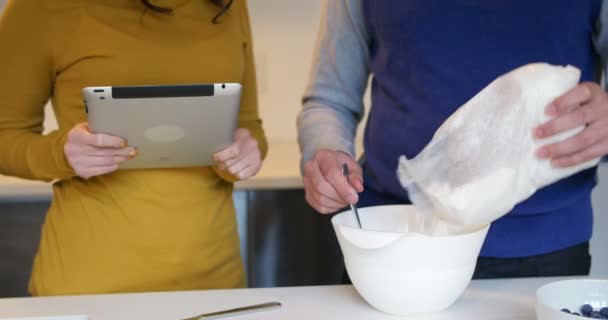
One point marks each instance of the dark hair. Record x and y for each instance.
(221, 4)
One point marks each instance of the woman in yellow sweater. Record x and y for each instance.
(125, 231)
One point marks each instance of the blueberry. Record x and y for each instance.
(604, 312)
(596, 315)
(586, 310)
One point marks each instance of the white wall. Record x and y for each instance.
(284, 38)
(284, 35)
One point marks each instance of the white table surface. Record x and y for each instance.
(281, 170)
(484, 299)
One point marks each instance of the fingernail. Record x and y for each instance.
(551, 110)
(539, 132)
(353, 197)
(133, 154)
(360, 186)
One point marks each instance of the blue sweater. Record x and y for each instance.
(427, 58)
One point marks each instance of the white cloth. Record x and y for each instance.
(481, 162)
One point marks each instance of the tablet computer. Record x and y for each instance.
(170, 125)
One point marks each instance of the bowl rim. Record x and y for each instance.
(551, 285)
(474, 230)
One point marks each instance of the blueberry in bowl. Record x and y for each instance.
(572, 299)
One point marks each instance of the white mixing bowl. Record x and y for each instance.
(401, 272)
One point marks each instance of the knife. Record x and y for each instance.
(237, 311)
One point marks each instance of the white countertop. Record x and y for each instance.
(280, 171)
(484, 299)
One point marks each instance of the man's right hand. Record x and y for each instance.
(92, 154)
(327, 190)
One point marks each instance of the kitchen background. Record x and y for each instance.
(284, 242)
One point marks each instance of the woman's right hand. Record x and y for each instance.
(92, 154)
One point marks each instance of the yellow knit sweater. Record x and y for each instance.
(138, 230)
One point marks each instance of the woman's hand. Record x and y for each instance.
(242, 158)
(92, 154)
(585, 105)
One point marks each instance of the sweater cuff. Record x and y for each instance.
(64, 170)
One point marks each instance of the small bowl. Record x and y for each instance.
(570, 294)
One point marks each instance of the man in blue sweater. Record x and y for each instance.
(427, 58)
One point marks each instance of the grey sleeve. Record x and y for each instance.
(332, 105)
(601, 38)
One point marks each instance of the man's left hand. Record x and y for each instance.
(585, 105)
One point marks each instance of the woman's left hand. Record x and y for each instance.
(585, 105)
(242, 158)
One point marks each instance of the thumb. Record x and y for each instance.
(240, 134)
(78, 132)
